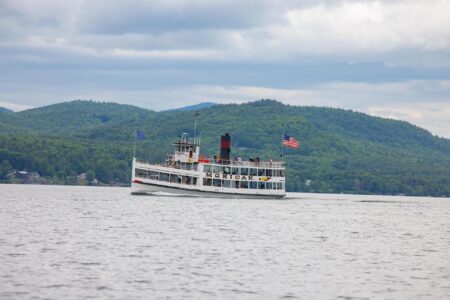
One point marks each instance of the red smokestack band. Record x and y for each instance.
(225, 147)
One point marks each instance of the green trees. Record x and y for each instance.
(341, 150)
(62, 158)
(5, 167)
(90, 176)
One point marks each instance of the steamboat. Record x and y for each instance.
(186, 172)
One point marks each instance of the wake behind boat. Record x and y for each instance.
(186, 172)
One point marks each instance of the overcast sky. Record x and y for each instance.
(386, 58)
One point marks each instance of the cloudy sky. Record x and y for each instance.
(386, 58)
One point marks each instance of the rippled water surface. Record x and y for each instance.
(61, 242)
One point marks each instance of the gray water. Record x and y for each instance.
(61, 242)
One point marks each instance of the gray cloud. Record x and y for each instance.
(106, 17)
(352, 54)
(259, 31)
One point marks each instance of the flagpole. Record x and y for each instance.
(135, 137)
(196, 114)
(282, 148)
(195, 127)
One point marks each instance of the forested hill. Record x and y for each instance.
(341, 150)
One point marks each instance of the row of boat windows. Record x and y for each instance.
(243, 171)
(236, 184)
(160, 176)
(189, 180)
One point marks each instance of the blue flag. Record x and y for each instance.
(140, 135)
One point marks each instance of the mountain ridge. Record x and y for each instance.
(341, 150)
(6, 110)
(193, 107)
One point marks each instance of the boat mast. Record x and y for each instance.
(196, 114)
(135, 138)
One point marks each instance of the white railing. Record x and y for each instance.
(170, 164)
(232, 163)
(260, 164)
(246, 163)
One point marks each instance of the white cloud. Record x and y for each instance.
(364, 27)
(250, 30)
(160, 54)
(433, 116)
(14, 106)
(42, 13)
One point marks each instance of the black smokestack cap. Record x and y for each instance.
(225, 147)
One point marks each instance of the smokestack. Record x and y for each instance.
(225, 147)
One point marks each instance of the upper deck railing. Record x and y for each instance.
(233, 163)
(170, 164)
(184, 140)
(254, 164)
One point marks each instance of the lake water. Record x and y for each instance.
(59, 242)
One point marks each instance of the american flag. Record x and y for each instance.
(290, 142)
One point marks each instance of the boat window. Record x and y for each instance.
(253, 172)
(261, 185)
(226, 183)
(207, 168)
(163, 177)
(282, 173)
(253, 184)
(244, 171)
(217, 169)
(236, 184)
(261, 172)
(269, 172)
(187, 179)
(194, 181)
(234, 171)
(207, 181)
(217, 182)
(153, 175)
(244, 184)
(141, 173)
(226, 170)
(274, 186)
(174, 178)
(269, 185)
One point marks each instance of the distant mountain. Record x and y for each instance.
(5, 110)
(341, 150)
(194, 107)
(79, 117)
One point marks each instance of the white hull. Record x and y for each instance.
(188, 173)
(151, 189)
